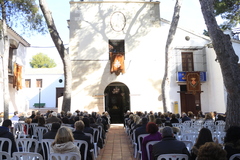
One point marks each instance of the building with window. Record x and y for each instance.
(118, 61)
(16, 68)
(44, 88)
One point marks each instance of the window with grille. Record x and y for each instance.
(10, 62)
(116, 47)
(187, 61)
(28, 83)
(39, 83)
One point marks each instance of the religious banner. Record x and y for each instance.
(193, 82)
(117, 64)
(17, 78)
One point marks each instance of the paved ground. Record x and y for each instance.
(118, 146)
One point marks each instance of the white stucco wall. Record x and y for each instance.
(89, 47)
(16, 102)
(50, 81)
(145, 40)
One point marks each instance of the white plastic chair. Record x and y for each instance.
(49, 126)
(176, 125)
(190, 137)
(134, 142)
(139, 141)
(91, 140)
(38, 133)
(46, 145)
(173, 157)
(6, 154)
(235, 156)
(26, 144)
(79, 143)
(95, 139)
(32, 126)
(151, 143)
(27, 156)
(18, 130)
(189, 144)
(91, 136)
(6, 141)
(65, 156)
(209, 124)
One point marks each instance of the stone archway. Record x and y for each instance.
(117, 101)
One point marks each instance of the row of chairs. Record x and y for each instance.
(24, 139)
(37, 156)
(20, 130)
(30, 146)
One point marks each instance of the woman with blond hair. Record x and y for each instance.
(151, 118)
(63, 142)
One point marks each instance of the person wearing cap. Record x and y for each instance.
(168, 145)
(54, 118)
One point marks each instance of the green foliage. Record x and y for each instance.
(24, 15)
(229, 10)
(41, 60)
(205, 33)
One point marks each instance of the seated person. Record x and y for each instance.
(78, 134)
(52, 133)
(63, 142)
(141, 130)
(232, 141)
(204, 136)
(211, 150)
(168, 145)
(5, 133)
(154, 135)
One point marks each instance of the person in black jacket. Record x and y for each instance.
(4, 133)
(169, 145)
(78, 134)
(141, 129)
(51, 134)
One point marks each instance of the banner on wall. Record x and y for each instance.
(193, 82)
(117, 64)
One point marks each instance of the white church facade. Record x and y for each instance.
(117, 50)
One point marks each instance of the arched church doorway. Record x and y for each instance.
(117, 101)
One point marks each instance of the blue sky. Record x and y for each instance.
(190, 17)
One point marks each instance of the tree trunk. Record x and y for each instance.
(6, 96)
(171, 35)
(63, 54)
(228, 61)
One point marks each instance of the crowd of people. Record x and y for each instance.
(65, 128)
(159, 127)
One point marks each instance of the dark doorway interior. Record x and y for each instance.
(189, 102)
(117, 101)
(59, 93)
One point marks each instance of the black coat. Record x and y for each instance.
(140, 130)
(169, 145)
(4, 133)
(79, 135)
(50, 135)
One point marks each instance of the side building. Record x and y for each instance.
(44, 88)
(16, 69)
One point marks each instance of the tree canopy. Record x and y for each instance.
(41, 60)
(24, 15)
(229, 10)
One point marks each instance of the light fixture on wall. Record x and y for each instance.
(115, 90)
